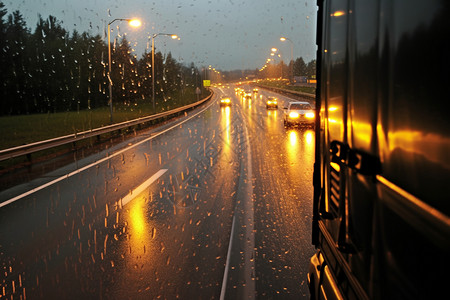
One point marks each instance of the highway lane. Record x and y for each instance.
(282, 163)
(217, 206)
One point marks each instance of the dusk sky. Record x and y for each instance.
(227, 34)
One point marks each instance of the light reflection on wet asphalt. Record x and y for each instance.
(78, 239)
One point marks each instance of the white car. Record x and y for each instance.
(299, 113)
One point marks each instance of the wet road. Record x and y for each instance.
(214, 205)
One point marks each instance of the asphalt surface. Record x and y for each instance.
(214, 205)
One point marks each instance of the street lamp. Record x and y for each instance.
(133, 23)
(275, 50)
(173, 36)
(292, 54)
(281, 66)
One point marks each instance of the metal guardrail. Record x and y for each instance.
(289, 92)
(72, 138)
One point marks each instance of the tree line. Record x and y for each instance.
(298, 67)
(49, 69)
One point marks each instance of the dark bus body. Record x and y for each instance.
(382, 169)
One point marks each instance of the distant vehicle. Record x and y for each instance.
(271, 103)
(299, 113)
(255, 91)
(225, 101)
(248, 95)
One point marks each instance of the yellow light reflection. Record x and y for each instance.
(226, 124)
(292, 149)
(300, 144)
(273, 123)
(136, 241)
(332, 108)
(362, 135)
(338, 13)
(434, 147)
(335, 118)
(137, 220)
(308, 147)
(272, 114)
(293, 137)
(309, 137)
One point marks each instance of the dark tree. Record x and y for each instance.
(171, 75)
(49, 45)
(299, 67)
(17, 65)
(159, 71)
(145, 75)
(124, 74)
(50, 70)
(311, 68)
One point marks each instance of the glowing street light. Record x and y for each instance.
(135, 23)
(174, 37)
(273, 53)
(132, 23)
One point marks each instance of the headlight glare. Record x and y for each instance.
(293, 115)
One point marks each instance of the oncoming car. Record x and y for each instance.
(225, 101)
(248, 95)
(271, 103)
(299, 113)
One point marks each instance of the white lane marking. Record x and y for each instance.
(227, 264)
(134, 193)
(249, 236)
(32, 191)
(249, 254)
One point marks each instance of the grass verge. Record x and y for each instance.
(25, 129)
(284, 84)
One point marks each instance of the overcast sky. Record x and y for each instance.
(227, 34)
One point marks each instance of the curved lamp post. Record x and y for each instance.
(133, 23)
(283, 39)
(173, 36)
